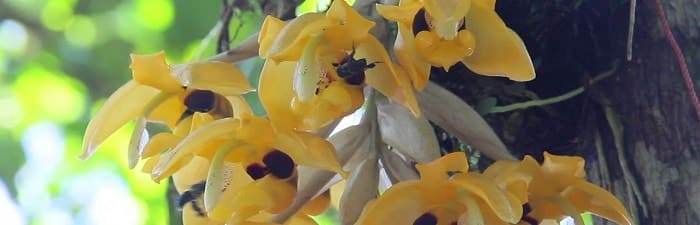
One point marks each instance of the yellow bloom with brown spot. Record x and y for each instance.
(316, 65)
(436, 198)
(244, 197)
(559, 189)
(163, 93)
(268, 157)
(442, 33)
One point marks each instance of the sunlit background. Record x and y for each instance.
(59, 60)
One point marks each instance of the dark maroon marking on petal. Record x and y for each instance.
(191, 196)
(256, 171)
(426, 219)
(526, 209)
(279, 164)
(530, 220)
(200, 101)
(454, 223)
(419, 22)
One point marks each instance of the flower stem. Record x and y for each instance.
(552, 100)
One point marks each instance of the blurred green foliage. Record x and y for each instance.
(59, 60)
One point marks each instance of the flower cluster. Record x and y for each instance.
(507, 192)
(234, 167)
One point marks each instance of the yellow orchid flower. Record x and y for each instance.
(263, 217)
(269, 158)
(162, 93)
(463, 198)
(559, 189)
(242, 194)
(514, 176)
(445, 32)
(316, 65)
(159, 145)
(249, 140)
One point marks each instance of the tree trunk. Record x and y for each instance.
(659, 141)
(637, 129)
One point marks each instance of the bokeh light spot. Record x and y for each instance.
(308, 6)
(57, 15)
(114, 205)
(9, 209)
(156, 15)
(56, 216)
(81, 32)
(49, 95)
(13, 36)
(11, 113)
(44, 146)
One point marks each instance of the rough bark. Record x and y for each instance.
(655, 165)
(660, 137)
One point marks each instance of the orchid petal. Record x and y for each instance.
(269, 194)
(309, 150)
(333, 103)
(223, 78)
(494, 43)
(255, 130)
(563, 165)
(158, 172)
(292, 38)
(276, 94)
(514, 176)
(437, 169)
(206, 138)
(446, 16)
(219, 176)
(407, 54)
(348, 26)
(589, 197)
(168, 112)
(269, 31)
(121, 107)
(240, 106)
(444, 53)
(152, 70)
(135, 143)
(402, 14)
(385, 77)
(159, 143)
(506, 208)
(308, 70)
(238, 180)
(405, 199)
(194, 172)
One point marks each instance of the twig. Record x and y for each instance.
(236, 32)
(245, 50)
(617, 132)
(679, 57)
(630, 28)
(205, 41)
(600, 151)
(223, 44)
(552, 100)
